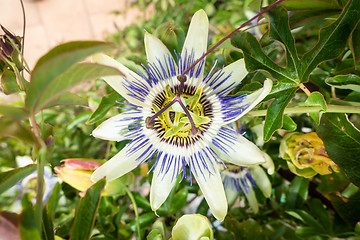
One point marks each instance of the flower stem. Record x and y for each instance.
(330, 109)
(230, 34)
(132, 199)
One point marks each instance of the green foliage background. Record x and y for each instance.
(310, 48)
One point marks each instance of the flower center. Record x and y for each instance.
(181, 113)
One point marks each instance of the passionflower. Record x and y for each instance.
(242, 180)
(182, 119)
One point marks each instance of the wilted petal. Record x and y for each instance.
(115, 128)
(164, 179)
(119, 83)
(261, 180)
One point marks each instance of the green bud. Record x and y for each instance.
(171, 36)
(192, 227)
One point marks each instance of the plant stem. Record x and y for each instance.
(302, 87)
(331, 109)
(132, 199)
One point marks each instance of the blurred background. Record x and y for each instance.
(51, 22)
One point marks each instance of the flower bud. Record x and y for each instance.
(77, 173)
(192, 227)
(306, 155)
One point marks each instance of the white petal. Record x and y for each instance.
(251, 197)
(269, 164)
(261, 180)
(231, 195)
(236, 72)
(213, 190)
(253, 99)
(113, 128)
(197, 36)
(118, 82)
(239, 151)
(122, 162)
(155, 49)
(163, 180)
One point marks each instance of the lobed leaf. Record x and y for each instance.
(67, 98)
(332, 40)
(350, 81)
(316, 99)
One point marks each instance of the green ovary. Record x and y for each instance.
(176, 123)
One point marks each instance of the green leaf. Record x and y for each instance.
(310, 4)
(306, 232)
(280, 30)
(256, 59)
(10, 178)
(289, 124)
(13, 112)
(298, 192)
(76, 74)
(316, 99)
(342, 143)
(155, 234)
(86, 212)
(275, 112)
(179, 200)
(53, 200)
(318, 210)
(12, 128)
(8, 82)
(355, 44)
(106, 103)
(249, 229)
(332, 39)
(347, 208)
(48, 226)
(45, 76)
(67, 98)
(350, 81)
(28, 228)
(145, 220)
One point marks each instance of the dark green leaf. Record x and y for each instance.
(342, 143)
(306, 232)
(53, 200)
(13, 112)
(280, 30)
(10, 178)
(318, 210)
(86, 212)
(310, 4)
(256, 59)
(179, 200)
(66, 98)
(298, 192)
(332, 39)
(54, 64)
(145, 220)
(249, 229)
(355, 44)
(316, 99)
(28, 228)
(8, 82)
(48, 226)
(289, 124)
(275, 112)
(347, 208)
(350, 81)
(106, 103)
